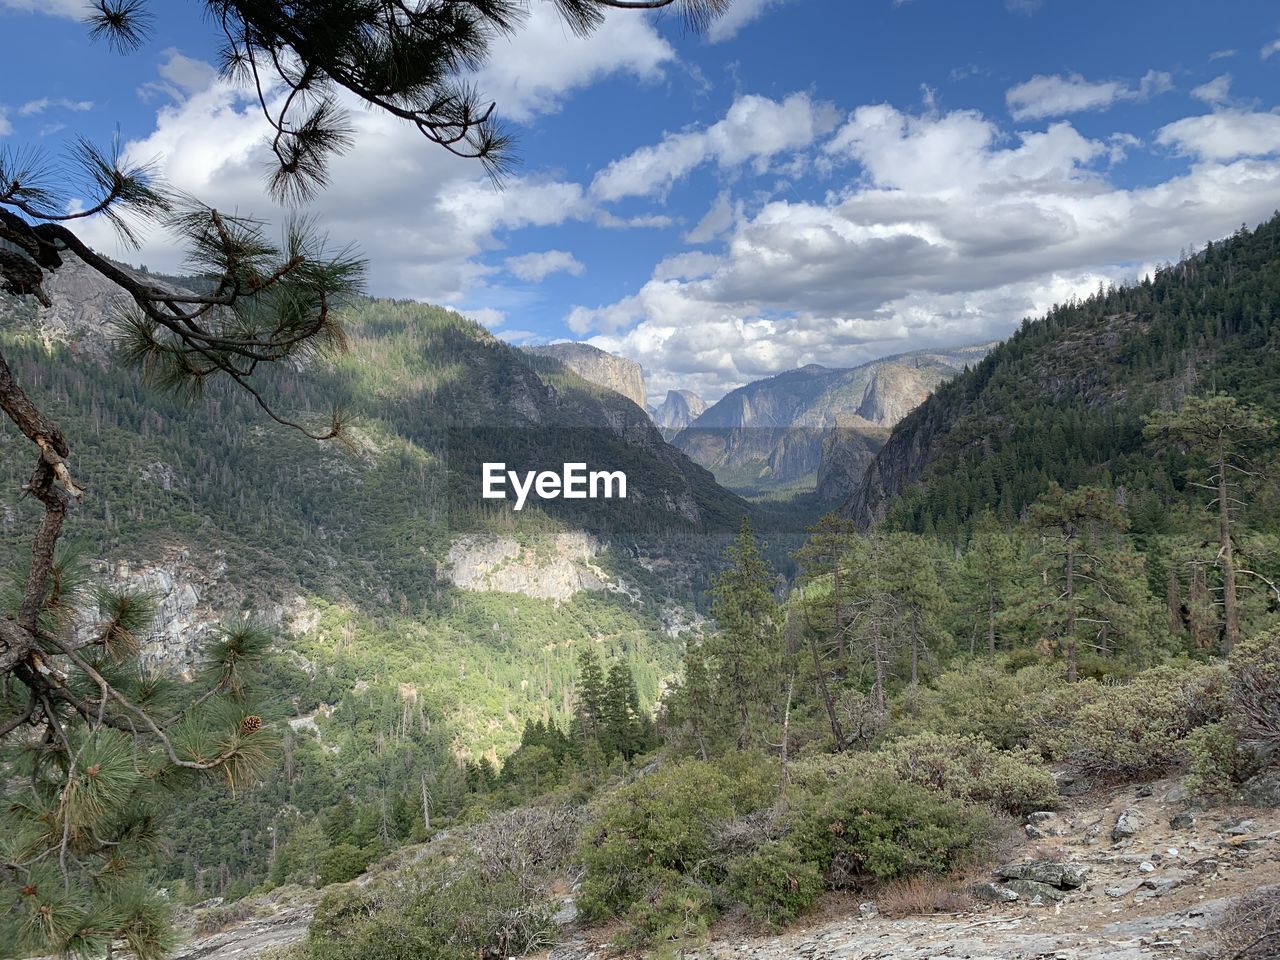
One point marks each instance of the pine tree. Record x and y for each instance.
(989, 576)
(588, 725)
(746, 646)
(1224, 434)
(1079, 590)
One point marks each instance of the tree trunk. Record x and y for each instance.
(821, 675)
(1072, 665)
(1231, 615)
(991, 622)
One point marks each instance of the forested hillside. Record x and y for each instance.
(1063, 399)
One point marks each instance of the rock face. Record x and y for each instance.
(502, 565)
(815, 426)
(596, 366)
(680, 409)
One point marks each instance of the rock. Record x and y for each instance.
(993, 893)
(1262, 790)
(1162, 883)
(1240, 828)
(1177, 794)
(1040, 816)
(1066, 876)
(1031, 889)
(1147, 867)
(1070, 786)
(1182, 821)
(566, 915)
(603, 369)
(1145, 790)
(868, 911)
(1127, 825)
(1124, 887)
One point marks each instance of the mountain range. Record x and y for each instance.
(815, 426)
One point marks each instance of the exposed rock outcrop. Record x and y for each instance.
(815, 425)
(596, 366)
(678, 410)
(555, 570)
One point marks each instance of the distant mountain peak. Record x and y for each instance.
(600, 367)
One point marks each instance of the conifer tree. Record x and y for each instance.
(1223, 434)
(988, 579)
(1076, 582)
(746, 646)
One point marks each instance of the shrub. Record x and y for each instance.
(344, 862)
(983, 700)
(968, 767)
(774, 884)
(878, 828)
(678, 909)
(1139, 729)
(1219, 763)
(659, 827)
(1254, 693)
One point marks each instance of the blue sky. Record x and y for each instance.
(812, 181)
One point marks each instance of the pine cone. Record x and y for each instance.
(250, 724)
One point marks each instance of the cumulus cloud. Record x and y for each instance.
(949, 233)
(535, 266)
(1057, 95)
(1271, 48)
(738, 16)
(1215, 92)
(421, 216)
(6, 127)
(1225, 135)
(754, 130)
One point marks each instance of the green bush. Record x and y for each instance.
(876, 827)
(679, 909)
(1004, 706)
(1254, 694)
(774, 884)
(1219, 762)
(1140, 728)
(659, 827)
(346, 862)
(968, 767)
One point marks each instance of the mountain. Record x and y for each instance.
(678, 410)
(1063, 399)
(596, 366)
(770, 434)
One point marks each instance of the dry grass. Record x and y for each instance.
(920, 896)
(1251, 928)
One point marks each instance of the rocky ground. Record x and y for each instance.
(1123, 874)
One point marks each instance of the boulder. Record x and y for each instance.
(1065, 876)
(1262, 790)
(1031, 889)
(1182, 821)
(993, 893)
(1127, 825)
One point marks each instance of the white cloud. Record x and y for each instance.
(180, 77)
(487, 317)
(1216, 91)
(34, 107)
(535, 266)
(1057, 95)
(6, 127)
(1271, 48)
(530, 72)
(1223, 136)
(421, 216)
(754, 130)
(738, 16)
(58, 8)
(1223, 54)
(949, 233)
(715, 221)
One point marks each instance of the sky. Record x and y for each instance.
(809, 181)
